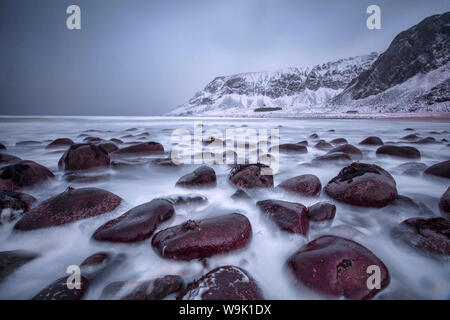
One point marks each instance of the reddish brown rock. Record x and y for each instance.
(186, 199)
(411, 168)
(399, 152)
(337, 157)
(8, 159)
(203, 238)
(428, 235)
(337, 267)
(292, 148)
(441, 169)
(2, 146)
(338, 141)
(361, 184)
(28, 143)
(10, 261)
(84, 157)
(59, 290)
(250, 176)
(15, 201)
(69, 206)
(23, 174)
(372, 140)
(115, 140)
(349, 149)
(314, 136)
(288, 216)
(241, 195)
(426, 140)
(323, 145)
(136, 224)
(61, 142)
(223, 283)
(143, 148)
(108, 146)
(165, 162)
(321, 211)
(202, 177)
(306, 185)
(444, 203)
(410, 137)
(155, 289)
(98, 263)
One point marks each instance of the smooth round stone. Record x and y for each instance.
(251, 176)
(154, 289)
(323, 145)
(115, 140)
(288, 216)
(186, 199)
(84, 157)
(411, 168)
(58, 143)
(426, 140)
(361, 184)
(314, 136)
(372, 141)
(338, 141)
(2, 146)
(441, 169)
(16, 200)
(69, 206)
(28, 143)
(223, 283)
(109, 147)
(202, 177)
(136, 224)
(10, 261)
(338, 157)
(337, 267)
(98, 263)
(349, 149)
(444, 203)
(321, 211)
(6, 159)
(23, 174)
(306, 185)
(59, 290)
(410, 137)
(399, 152)
(144, 148)
(292, 148)
(203, 238)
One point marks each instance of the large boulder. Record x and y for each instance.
(323, 145)
(444, 203)
(144, 148)
(337, 267)
(83, 157)
(251, 176)
(23, 174)
(223, 283)
(69, 206)
(136, 224)
(372, 141)
(337, 157)
(292, 148)
(2, 146)
(321, 211)
(16, 200)
(186, 199)
(12, 260)
(430, 235)
(203, 238)
(6, 159)
(109, 147)
(349, 149)
(98, 263)
(202, 177)
(411, 168)
(288, 216)
(59, 143)
(441, 169)
(338, 141)
(59, 290)
(398, 152)
(362, 184)
(306, 185)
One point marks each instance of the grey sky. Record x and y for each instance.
(140, 57)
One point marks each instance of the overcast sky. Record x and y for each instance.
(141, 57)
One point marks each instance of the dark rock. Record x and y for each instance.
(349, 149)
(288, 216)
(2, 146)
(314, 136)
(251, 176)
(69, 206)
(361, 184)
(28, 143)
(321, 211)
(333, 157)
(444, 204)
(59, 290)
(373, 141)
(411, 168)
(75, 177)
(223, 283)
(186, 199)
(426, 140)
(323, 145)
(155, 289)
(108, 147)
(441, 169)
(291, 148)
(428, 235)
(136, 224)
(165, 162)
(203, 238)
(399, 152)
(83, 157)
(61, 142)
(93, 140)
(97, 264)
(410, 137)
(408, 129)
(241, 195)
(402, 203)
(306, 185)
(15, 201)
(143, 148)
(23, 174)
(202, 177)
(338, 141)
(8, 159)
(12, 260)
(303, 143)
(337, 267)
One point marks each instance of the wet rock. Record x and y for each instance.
(75, 177)
(430, 235)
(337, 267)
(93, 140)
(202, 177)
(241, 195)
(361, 184)
(15, 201)
(306, 185)
(441, 169)
(136, 224)
(444, 204)
(303, 143)
(155, 289)
(23, 174)
(143, 148)
(399, 152)
(292, 148)
(411, 168)
(84, 157)
(8, 159)
(69, 206)
(58, 143)
(349, 149)
(410, 137)
(186, 199)
(59, 290)
(108, 146)
(10, 261)
(337, 157)
(408, 129)
(203, 238)
(338, 141)
(321, 211)
(97, 264)
(117, 141)
(426, 140)
(314, 136)
(323, 145)
(251, 176)
(2, 146)
(223, 283)
(402, 203)
(373, 141)
(288, 216)
(165, 162)
(28, 143)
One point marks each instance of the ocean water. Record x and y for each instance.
(413, 275)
